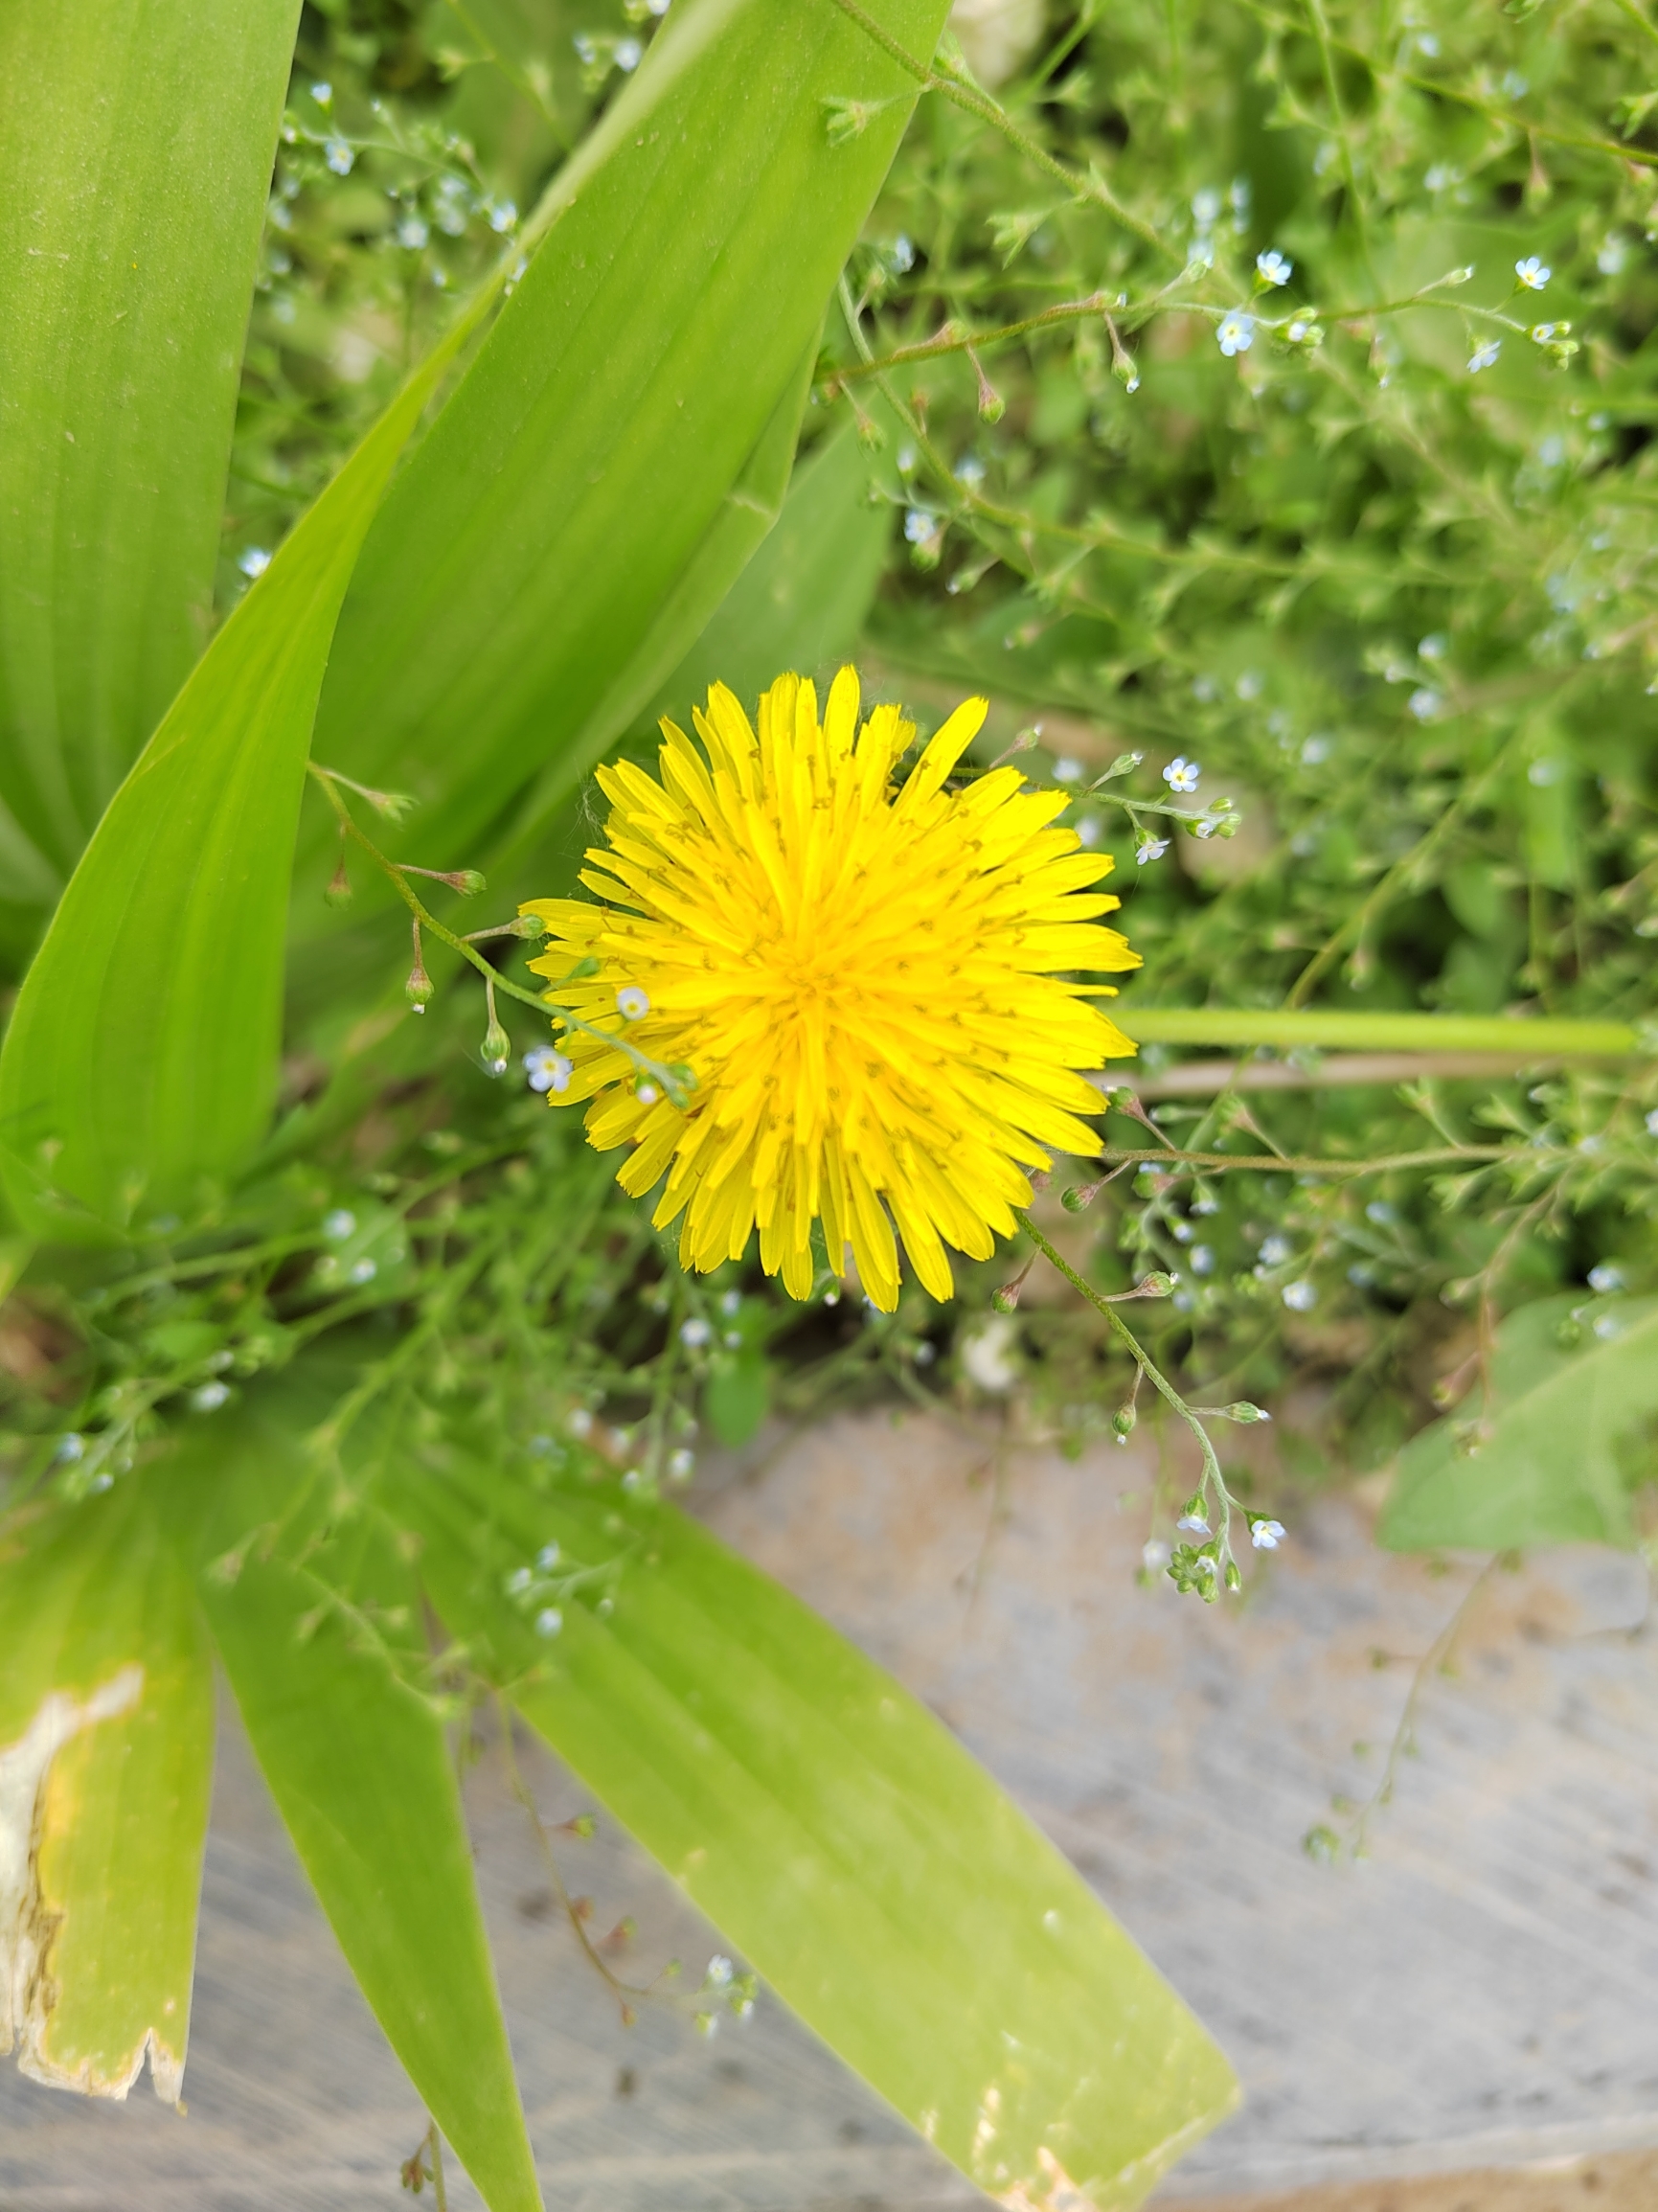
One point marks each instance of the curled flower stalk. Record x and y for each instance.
(868, 978)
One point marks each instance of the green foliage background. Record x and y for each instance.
(1380, 562)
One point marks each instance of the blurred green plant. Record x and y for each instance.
(1257, 403)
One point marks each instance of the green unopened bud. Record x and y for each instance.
(1241, 1409)
(419, 990)
(1124, 1420)
(1233, 1580)
(1006, 1300)
(1156, 1286)
(528, 925)
(496, 1050)
(339, 889)
(1079, 1197)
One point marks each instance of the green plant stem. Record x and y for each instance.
(1153, 1374)
(953, 338)
(1284, 1163)
(1288, 1027)
(673, 1085)
(987, 111)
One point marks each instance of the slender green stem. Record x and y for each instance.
(1284, 1163)
(1153, 1374)
(987, 111)
(1289, 1027)
(955, 338)
(672, 1081)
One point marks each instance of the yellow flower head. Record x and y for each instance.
(865, 978)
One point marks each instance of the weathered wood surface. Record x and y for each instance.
(1481, 1992)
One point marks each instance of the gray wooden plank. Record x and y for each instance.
(1476, 1993)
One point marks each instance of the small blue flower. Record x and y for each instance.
(920, 526)
(254, 563)
(1154, 848)
(1067, 771)
(1272, 268)
(545, 1070)
(1181, 775)
(339, 156)
(1265, 1534)
(1300, 1297)
(1426, 704)
(631, 1003)
(1533, 274)
(1235, 332)
(1484, 356)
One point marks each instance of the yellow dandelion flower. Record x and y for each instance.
(867, 978)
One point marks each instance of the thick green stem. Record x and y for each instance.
(1287, 1028)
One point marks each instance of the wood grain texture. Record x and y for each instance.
(1477, 1995)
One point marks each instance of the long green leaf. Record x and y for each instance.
(140, 1064)
(135, 153)
(105, 1760)
(871, 1872)
(797, 602)
(323, 1651)
(745, 521)
(526, 553)
(800, 602)
(1553, 1459)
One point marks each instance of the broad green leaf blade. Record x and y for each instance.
(140, 1064)
(105, 1764)
(325, 1661)
(802, 601)
(839, 1837)
(1571, 1427)
(745, 522)
(788, 585)
(135, 154)
(529, 548)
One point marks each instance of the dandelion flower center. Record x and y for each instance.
(867, 979)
